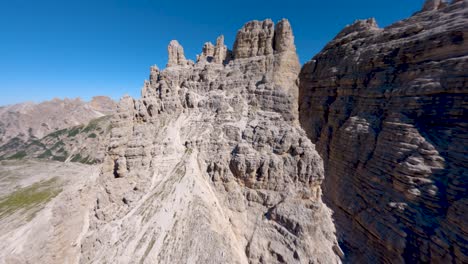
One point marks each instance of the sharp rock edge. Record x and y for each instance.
(387, 110)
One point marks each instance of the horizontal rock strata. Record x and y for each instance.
(388, 111)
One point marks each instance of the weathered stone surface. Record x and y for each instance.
(214, 54)
(207, 52)
(86, 143)
(46, 226)
(210, 166)
(284, 39)
(387, 109)
(431, 5)
(254, 39)
(176, 54)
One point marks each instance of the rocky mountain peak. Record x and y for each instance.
(260, 38)
(255, 38)
(207, 52)
(220, 51)
(431, 5)
(361, 25)
(434, 5)
(216, 143)
(386, 110)
(176, 55)
(284, 38)
(211, 165)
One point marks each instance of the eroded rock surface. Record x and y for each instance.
(44, 209)
(211, 166)
(388, 111)
(86, 143)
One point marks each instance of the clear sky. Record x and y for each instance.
(57, 48)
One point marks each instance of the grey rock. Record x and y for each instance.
(254, 39)
(387, 111)
(25, 123)
(176, 54)
(211, 166)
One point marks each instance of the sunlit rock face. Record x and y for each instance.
(387, 109)
(211, 165)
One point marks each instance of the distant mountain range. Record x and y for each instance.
(60, 129)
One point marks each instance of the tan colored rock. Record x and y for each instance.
(214, 53)
(86, 143)
(386, 108)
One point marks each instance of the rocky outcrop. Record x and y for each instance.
(387, 110)
(432, 5)
(262, 38)
(207, 52)
(221, 51)
(44, 209)
(29, 121)
(85, 143)
(176, 55)
(254, 39)
(211, 166)
(214, 54)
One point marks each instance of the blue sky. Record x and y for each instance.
(56, 48)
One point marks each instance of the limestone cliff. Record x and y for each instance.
(86, 143)
(388, 111)
(211, 166)
(30, 121)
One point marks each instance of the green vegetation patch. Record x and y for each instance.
(30, 199)
(74, 131)
(95, 124)
(18, 155)
(47, 154)
(92, 135)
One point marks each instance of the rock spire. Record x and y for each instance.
(176, 54)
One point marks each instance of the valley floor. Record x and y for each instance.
(44, 210)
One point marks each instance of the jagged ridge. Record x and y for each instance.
(211, 164)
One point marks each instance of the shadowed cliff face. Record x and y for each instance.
(387, 109)
(211, 166)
